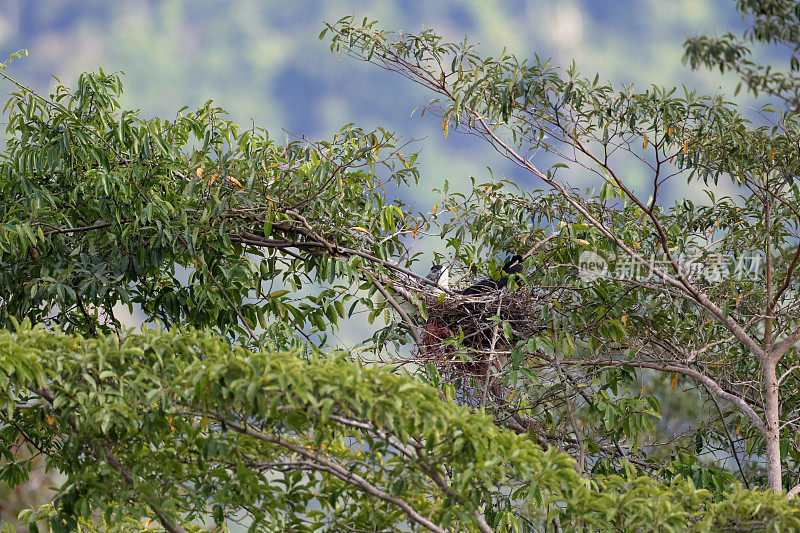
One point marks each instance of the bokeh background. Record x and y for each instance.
(262, 61)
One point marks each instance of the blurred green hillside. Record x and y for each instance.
(261, 60)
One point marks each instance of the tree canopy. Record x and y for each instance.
(543, 405)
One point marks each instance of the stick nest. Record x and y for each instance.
(484, 336)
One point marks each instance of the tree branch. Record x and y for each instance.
(412, 328)
(709, 383)
(680, 283)
(324, 464)
(115, 463)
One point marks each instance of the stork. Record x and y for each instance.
(513, 266)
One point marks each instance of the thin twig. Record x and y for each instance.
(412, 328)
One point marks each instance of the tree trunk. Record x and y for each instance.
(772, 425)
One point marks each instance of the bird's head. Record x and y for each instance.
(513, 261)
(440, 275)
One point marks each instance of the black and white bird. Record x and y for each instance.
(513, 266)
(441, 276)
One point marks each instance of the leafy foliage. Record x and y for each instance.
(102, 207)
(731, 332)
(210, 428)
(264, 248)
(772, 23)
(192, 427)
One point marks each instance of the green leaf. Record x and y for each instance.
(508, 331)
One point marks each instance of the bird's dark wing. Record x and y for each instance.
(482, 287)
(514, 269)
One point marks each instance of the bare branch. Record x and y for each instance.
(412, 328)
